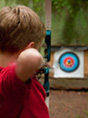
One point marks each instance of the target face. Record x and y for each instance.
(69, 62)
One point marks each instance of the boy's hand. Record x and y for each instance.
(48, 64)
(28, 62)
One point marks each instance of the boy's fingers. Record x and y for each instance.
(48, 64)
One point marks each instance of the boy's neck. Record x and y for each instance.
(6, 59)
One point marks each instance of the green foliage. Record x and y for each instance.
(7, 3)
(71, 6)
(13, 2)
(23, 2)
(72, 21)
(69, 19)
(39, 7)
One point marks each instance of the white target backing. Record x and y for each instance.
(68, 63)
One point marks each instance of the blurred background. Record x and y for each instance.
(68, 96)
(69, 19)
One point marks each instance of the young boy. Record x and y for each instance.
(21, 34)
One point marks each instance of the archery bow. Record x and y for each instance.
(45, 70)
(48, 43)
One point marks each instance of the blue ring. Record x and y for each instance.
(74, 57)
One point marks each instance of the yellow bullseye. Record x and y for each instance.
(69, 63)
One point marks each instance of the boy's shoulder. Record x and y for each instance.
(9, 79)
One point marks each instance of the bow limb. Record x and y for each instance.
(48, 44)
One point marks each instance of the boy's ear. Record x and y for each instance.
(30, 45)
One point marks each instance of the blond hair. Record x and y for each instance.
(18, 27)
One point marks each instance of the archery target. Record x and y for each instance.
(68, 62)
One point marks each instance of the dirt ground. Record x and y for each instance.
(68, 104)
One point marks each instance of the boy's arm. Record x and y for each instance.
(28, 62)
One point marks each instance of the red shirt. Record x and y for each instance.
(19, 100)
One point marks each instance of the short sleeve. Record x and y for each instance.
(10, 83)
(12, 93)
